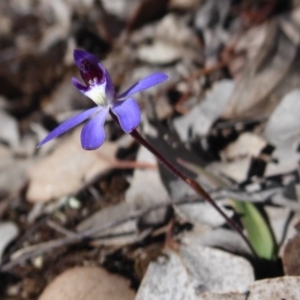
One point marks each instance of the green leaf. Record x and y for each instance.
(259, 233)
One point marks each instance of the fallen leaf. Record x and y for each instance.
(247, 144)
(174, 29)
(123, 234)
(8, 232)
(202, 116)
(67, 169)
(259, 83)
(202, 213)
(210, 20)
(160, 53)
(172, 40)
(147, 189)
(90, 283)
(120, 8)
(60, 27)
(236, 170)
(218, 238)
(287, 131)
(284, 134)
(249, 45)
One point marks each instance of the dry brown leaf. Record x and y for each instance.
(67, 169)
(263, 74)
(249, 45)
(88, 283)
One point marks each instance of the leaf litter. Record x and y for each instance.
(70, 218)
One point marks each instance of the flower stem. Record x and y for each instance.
(193, 184)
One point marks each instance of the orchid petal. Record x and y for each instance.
(69, 124)
(93, 133)
(144, 84)
(109, 89)
(82, 88)
(94, 92)
(91, 70)
(80, 55)
(128, 114)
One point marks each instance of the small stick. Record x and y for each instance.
(20, 256)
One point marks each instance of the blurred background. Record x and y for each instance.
(229, 113)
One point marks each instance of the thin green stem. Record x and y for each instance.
(193, 184)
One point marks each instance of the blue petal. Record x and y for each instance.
(69, 124)
(109, 89)
(96, 71)
(144, 84)
(93, 133)
(82, 88)
(91, 70)
(80, 55)
(128, 114)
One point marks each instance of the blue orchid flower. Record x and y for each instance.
(99, 87)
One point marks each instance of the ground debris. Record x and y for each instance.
(227, 118)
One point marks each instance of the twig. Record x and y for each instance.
(60, 229)
(29, 252)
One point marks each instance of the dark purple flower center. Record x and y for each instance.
(91, 73)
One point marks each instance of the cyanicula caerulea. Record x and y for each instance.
(99, 87)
